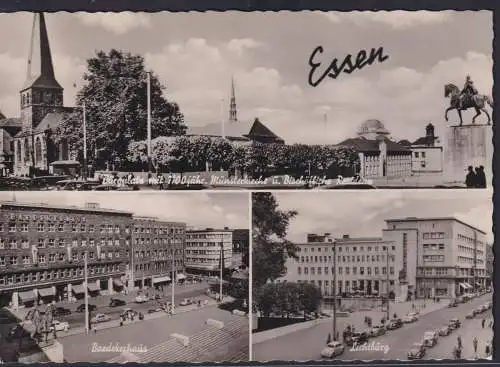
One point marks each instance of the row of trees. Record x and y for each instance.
(270, 251)
(191, 153)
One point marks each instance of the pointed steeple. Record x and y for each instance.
(40, 70)
(232, 106)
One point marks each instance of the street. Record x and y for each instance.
(312, 340)
(149, 333)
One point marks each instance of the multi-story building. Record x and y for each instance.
(202, 252)
(414, 258)
(158, 251)
(42, 251)
(489, 265)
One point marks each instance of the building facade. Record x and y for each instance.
(427, 154)
(42, 250)
(158, 252)
(414, 258)
(202, 252)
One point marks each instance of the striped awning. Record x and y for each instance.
(117, 282)
(27, 296)
(78, 289)
(47, 292)
(462, 285)
(467, 285)
(161, 279)
(92, 287)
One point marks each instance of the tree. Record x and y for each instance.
(115, 98)
(270, 246)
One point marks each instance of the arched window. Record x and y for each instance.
(64, 150)
(26, 150)
(38, 150)
(19, 151)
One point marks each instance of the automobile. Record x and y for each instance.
(394, 324)
(186, 302)
(454, 324)
(357, 338)
(81, 308)
(444, 331)
(453, 303)
(430, 339)
(141, 299)
(377, 330)
(100, 317)
(332, 349)
(115, 302)
(105, 187)
(17, 332)
(128, 312)
(470, 315)
(61, 311)
(59, 326)
(417, 351)
(157, 309)
(155, 297)
(47, 182)
(408, 319)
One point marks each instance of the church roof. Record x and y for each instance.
(11, 125)
(425, 140)
(372, 145)
(404, 142)
(372, 126)
(50, 121)
(240, 130)
(40, 71)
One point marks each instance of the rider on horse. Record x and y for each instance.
(468, 92)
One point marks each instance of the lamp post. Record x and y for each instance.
(173, 279)
(387, 282)
(334, 288)
(85, 284)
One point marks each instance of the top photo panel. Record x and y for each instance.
(246, 100)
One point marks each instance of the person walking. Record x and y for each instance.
(459, 342)
(483, 321)
(470, 178)
(474, 343)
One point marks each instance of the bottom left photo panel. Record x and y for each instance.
(124, 277)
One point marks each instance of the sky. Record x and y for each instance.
(362, 214)
(196, 54)
(197, 210)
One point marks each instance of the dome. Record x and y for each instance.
(372, 127)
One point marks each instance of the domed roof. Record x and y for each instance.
(372, 126)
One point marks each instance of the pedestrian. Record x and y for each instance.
(459, 342)
(491, 324)
(483, 321)
(474, 343)
(487, 350)
(470, 178)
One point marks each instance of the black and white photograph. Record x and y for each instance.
(401, 275)
(246, 100)
(124, 277)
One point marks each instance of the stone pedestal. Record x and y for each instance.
(468, 145)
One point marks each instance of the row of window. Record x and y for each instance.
(347, 258)
(154, 254)
(325, 270)
(204, 260)
(205, 252)
(54, 257)
(470, 250)
(433, 246)
(156, 241)
(159, 230)
(432, 235)
(13, 243)
(63, 227)
(433, 258)
(344, 285)
(207, 244)
(46, 275)
(201, 236)
(469, 239)
(439, 271)
(157, 266)
(469, 260)
(346, 248)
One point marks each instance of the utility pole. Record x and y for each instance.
(85, 283)
(474, 276)
(84, 110)
(221, 268)
(173, 279)
(388, 315)
(149, 119)
(334, 337)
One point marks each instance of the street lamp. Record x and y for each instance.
(334, 289)
(173, 279)
(387, 281)
(85, 283)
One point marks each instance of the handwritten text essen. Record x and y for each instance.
(347, 66)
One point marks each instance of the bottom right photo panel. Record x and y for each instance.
(391, 275)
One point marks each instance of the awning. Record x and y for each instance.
(181, 276)
(47, 292)
(92, 287)
(78, 289)
(462, 285)
(27, 296)
(467, 285)
(161, 279)
(479, 284)
(117, 282)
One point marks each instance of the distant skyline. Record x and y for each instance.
(199, 210)
(363, 214)
(196, 54)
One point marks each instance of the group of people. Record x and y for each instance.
(476, 178)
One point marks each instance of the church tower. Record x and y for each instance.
(232, 107)
(41, 93)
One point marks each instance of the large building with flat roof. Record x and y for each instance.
(202, 252)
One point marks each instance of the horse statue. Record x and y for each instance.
(476, 101)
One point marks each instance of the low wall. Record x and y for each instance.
(263, 336)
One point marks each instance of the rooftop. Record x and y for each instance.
(77, 209)
(419, 219)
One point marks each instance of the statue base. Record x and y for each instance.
(468, 145)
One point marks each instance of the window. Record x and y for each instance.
(369, 271)
(40, 227)
(60, 227)
(299, 270)
(423, 154)
(361, 271)
(2, 260)
(12, 227)
(52, 227)
(416, 154)
(13, 260)
(354, 270)
(326, 271)
(41, 243)
(52, 258)
(24, 227)
(13, 244)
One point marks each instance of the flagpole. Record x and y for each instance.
(149, 119)
(85, 283)
(173, 280)
(221, 267)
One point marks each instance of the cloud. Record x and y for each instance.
(117, 23)
(239, 46)
(396, 19)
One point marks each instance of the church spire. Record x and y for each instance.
(40, 70)
(232, 107)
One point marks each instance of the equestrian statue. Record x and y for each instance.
(467, 98)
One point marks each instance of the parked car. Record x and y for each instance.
(332, 350)
(59, 326)
(417, 351)
(357, 338)
(394, 324)
(453, 303)
(408, 319)
(430, 339)
(115, 302)
(377, 330)
(128, 312)
(157, 309)
(141, 299)
(155, 297)
(81, 308)
(470, 315)
(61, 311)
(444, 331)
(186, 302)
(100, 317)
(454, 324)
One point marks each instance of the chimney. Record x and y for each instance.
(327, 234)
(345, 236)
(226, 228)
(429, 134)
